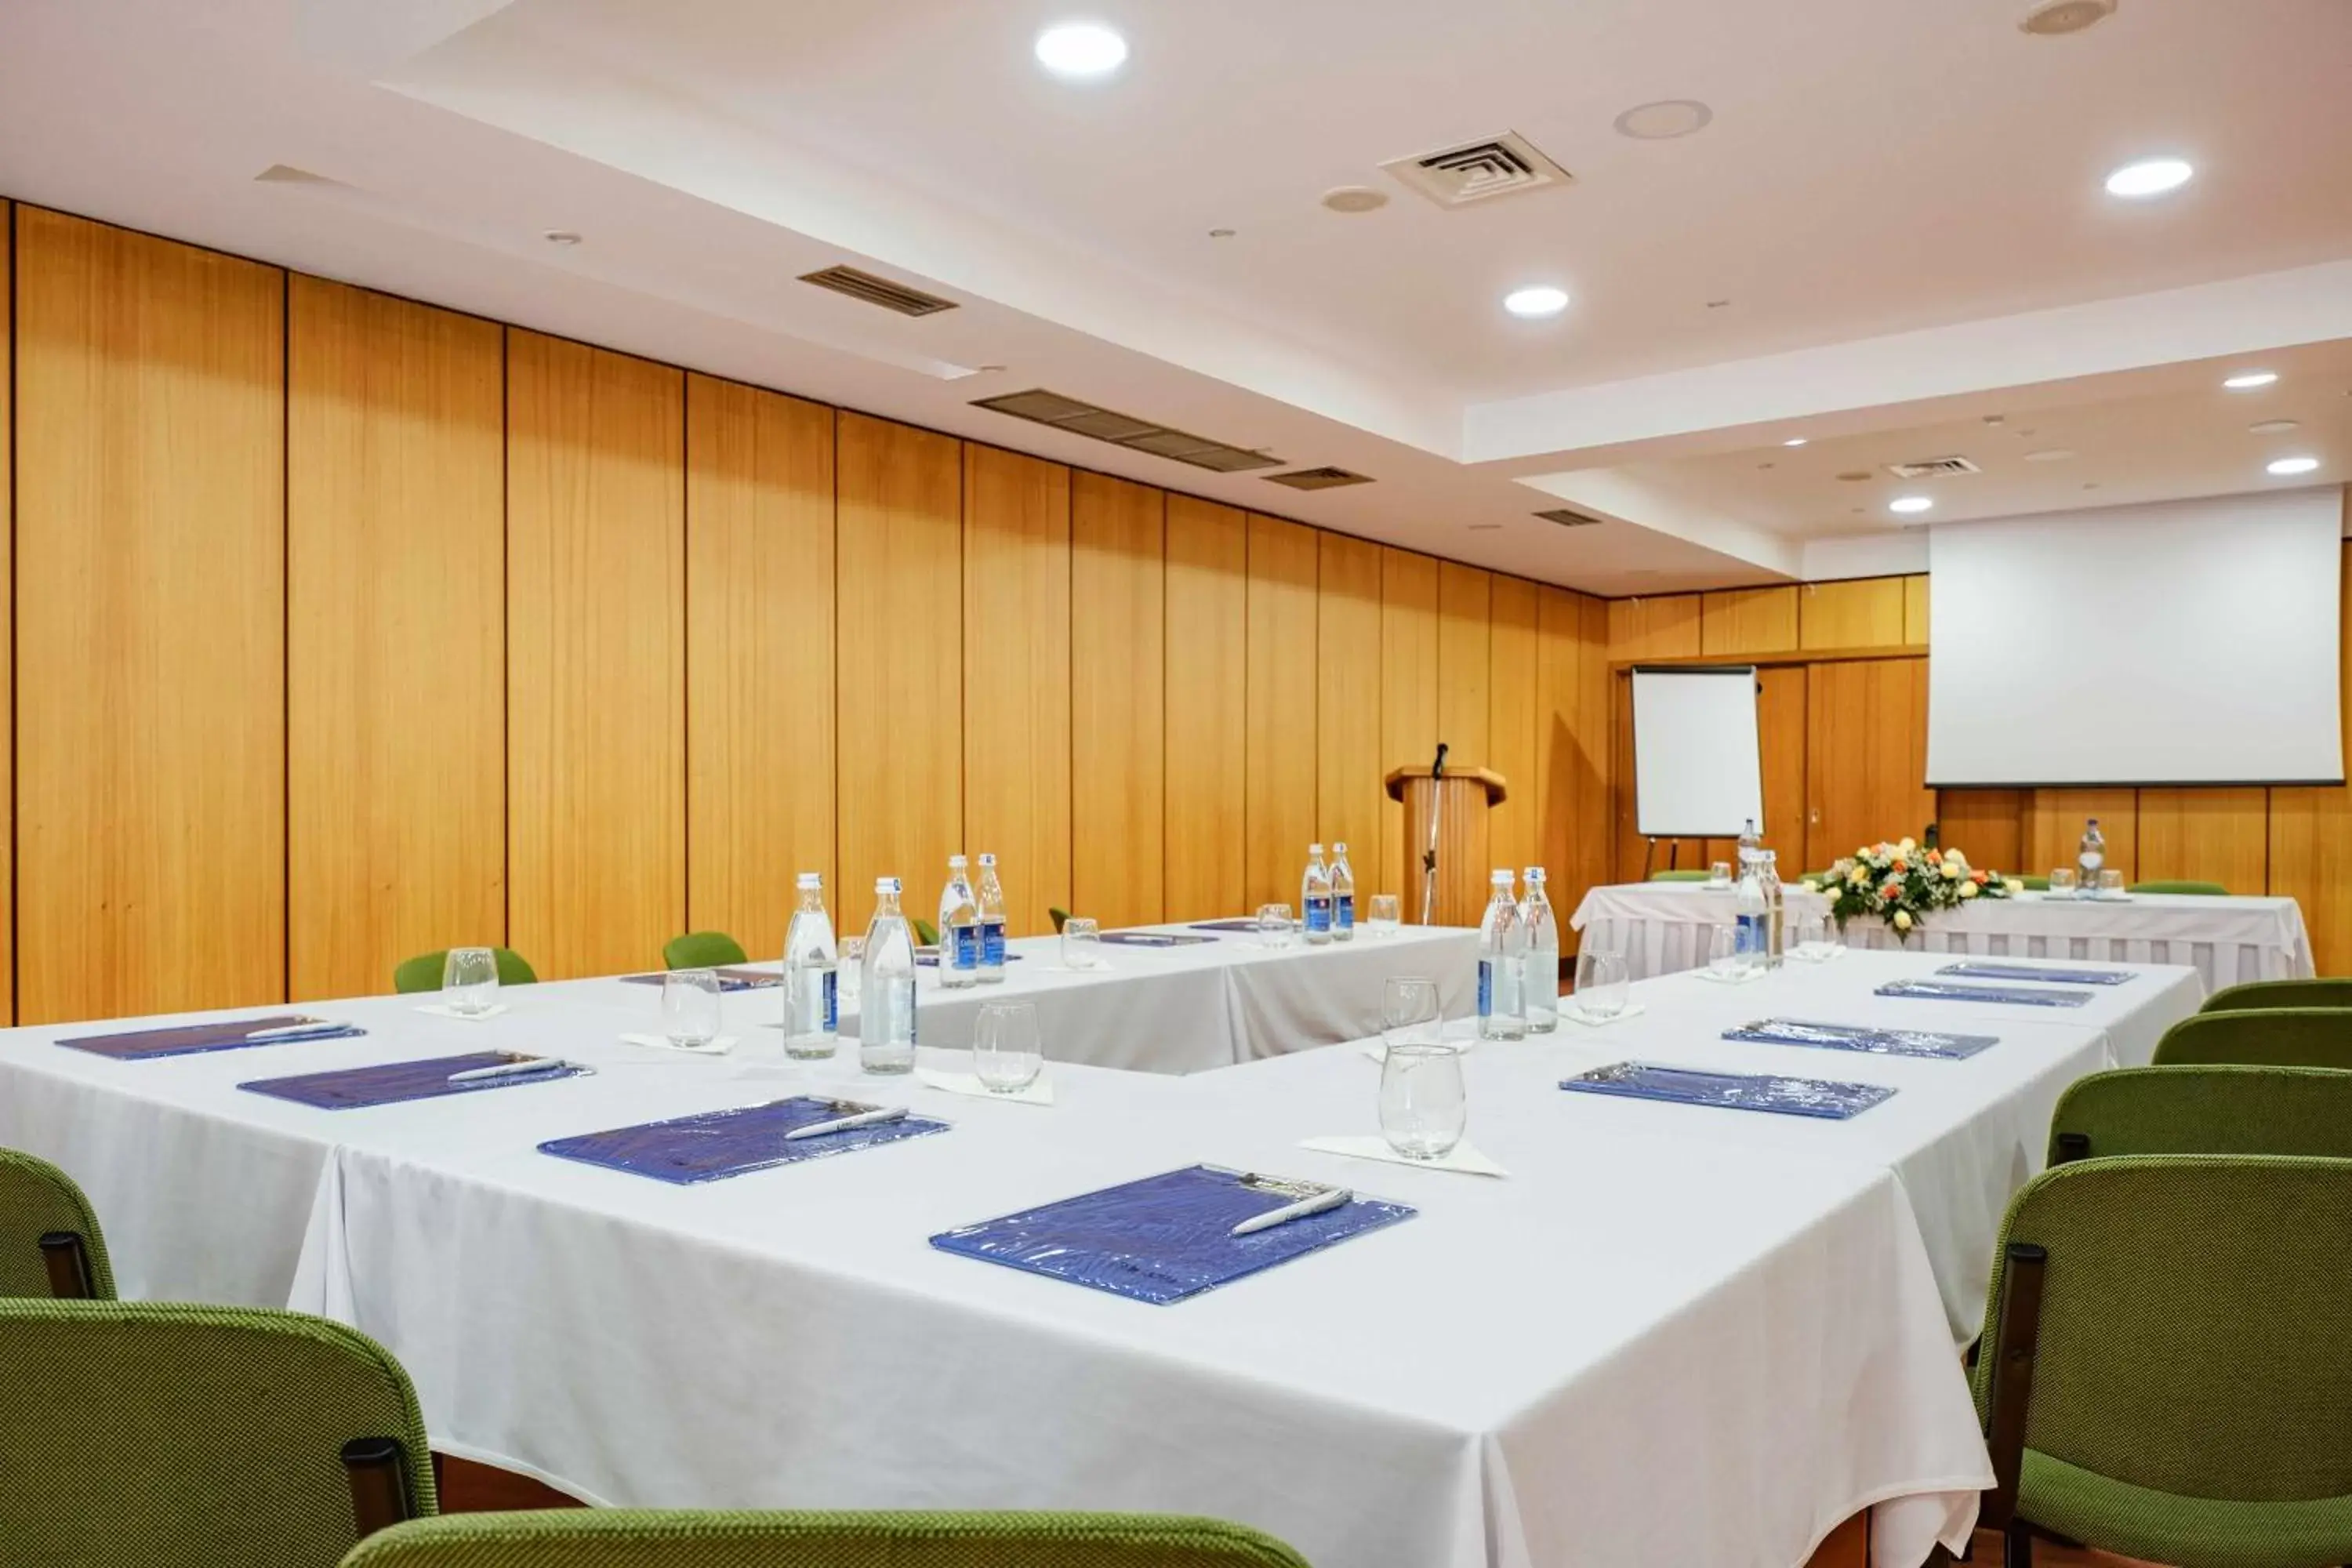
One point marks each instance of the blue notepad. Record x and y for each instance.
(1166, 1237)
(1152, 938)
(1979, 970)
(1824, 1099)
(716, 1144)
(1953, 991)
(1242, 925)
(728, 979)
(394, 1082)
(185, 1039)
(1860, 1038)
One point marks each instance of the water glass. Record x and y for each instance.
(1422, 1107)
(1082, 944)
(1409, 1012)
(1601, 984)
(689, 1004)
(1809, 936)
(2111, 882)
(1723, 954)
(2062, 882)
(1382, 920)
(1274, 925)
(469, 980)
(849, 975)
(1718, 875)
(1006, 1053)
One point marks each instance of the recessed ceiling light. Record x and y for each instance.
(1221, 234)
(561, 236)
(1716, 304)
(1856, 476)
(2054, 18)
(1539, 300)
(1485, 527)
(1081, 50)
(1795, 441)
(2271, 427)
(2050, 455)
(2246, 381)
(2149, 177)
(1355, 199)
(1664, 120)
(2285, 466)
(1908, 504)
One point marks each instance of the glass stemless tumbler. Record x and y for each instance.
(1422, 1107)
(1409, 1012)
(1723, 954)
(2111, 882)
(469, 981)
(1274, 925)
(1718, 874)
(1806, 938)
(850, 975)
(1383, 918)
(689, 1004)
(1081, 943)
(1601, 984)
(1006, 1052)
(2062, 882)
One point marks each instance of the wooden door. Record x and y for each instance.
(1865, 755)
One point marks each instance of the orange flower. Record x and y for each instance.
(1935, 856)
(1978, 875)
(1898, 867)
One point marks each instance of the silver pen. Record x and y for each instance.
(1321, 1203)
(522, 1069)
(296, 1031)
(846, 1124)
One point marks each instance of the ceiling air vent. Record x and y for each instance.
(1051, 408)
(1498, 166)
(879, 292)
(1325, 478)
(1568, 517)
(1928, 468)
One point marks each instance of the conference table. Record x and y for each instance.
(1661, 927)
(1670, 1333)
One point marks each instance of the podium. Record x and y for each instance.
(1456, 806)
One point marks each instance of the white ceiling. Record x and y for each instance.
(1899, 199)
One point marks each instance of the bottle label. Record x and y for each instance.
(1748, 935)
(965, 952)
(992, 943)
(831, 1010)
(1485, 988)
(1347, 902)
(1318, 913)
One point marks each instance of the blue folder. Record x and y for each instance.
(1954, 991)
(728, 979)
(1861, 1037)
(1152, 938)
(1167, 1237)
(184, 1039)
(715, 1145)
(1824, 1099)
(1974, 970)
(1240, 925)
(394, 1082)
(929, 957)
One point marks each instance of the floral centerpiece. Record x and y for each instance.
(1903, 884)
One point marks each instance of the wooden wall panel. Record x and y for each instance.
(595, 657)
(1782, 709)
(1465, 595)
(1575, 842)
(2054, 827)
(1117, 699)
(898, 596)
(759, 657)
(1665, 628)
(1348, 768)
(1748, 620)
(1408, 734)
(1865, 757)
(1865, 613)
(2205, 835)
(1208, 637)
(1016, 679)
(1280, 747)
(149, 590)
(1987, 825)
(1514, 827)
(395, 699)
(1915, 610)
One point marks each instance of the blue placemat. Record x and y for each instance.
(1861, 1037)
(1954, 991)
(394, 1082)
(1974, 970)
(728, 979)
(1822, 1097)
(185, 1039)
(1245, 925)
(1166, 1237)
(1152, 938)
(715, 1145)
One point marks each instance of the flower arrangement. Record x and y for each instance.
(1903, 884)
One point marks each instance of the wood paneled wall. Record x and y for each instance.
(344, 627)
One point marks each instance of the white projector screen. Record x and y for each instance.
(2176, 643)
(1698, 765)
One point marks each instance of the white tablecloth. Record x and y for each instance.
(1661, 927)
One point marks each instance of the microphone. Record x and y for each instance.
(1438, 770)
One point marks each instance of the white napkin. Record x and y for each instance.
(1038, 1090)
(443, 1010)
(1379, 1050)
(1736, 977)
(718, 1045)
(1462, 1157)
(1568, 1012)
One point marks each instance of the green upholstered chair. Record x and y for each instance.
(1061, 917)
(2257, 994)
(2272, 1037)
(50, 1245)
(626, 1538)
(422, 972)
(2034, 884)
(699, 949)
(2201, 889)
(2212, 1109)
(2168, 1359)
(926, 933)
(177, 1437)
(1680, 876)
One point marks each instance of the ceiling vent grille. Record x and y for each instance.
(1325, 478)
(1568, 517)
(1479, 170)
(1929, 468)
(1051, 408)
(879, 292)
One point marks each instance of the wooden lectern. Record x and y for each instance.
(1453, 806)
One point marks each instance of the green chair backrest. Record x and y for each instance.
(628, 1537)
(422, 972)
(2272, 1037)
(700, 950)
(2256, 994)
(174, 1437)
(2201, 889)
(926, 933)
(1061, 917)
(2034, 884)
(48, 1234)
(1680, 876)
(2218, 1109)
(2183, 1399)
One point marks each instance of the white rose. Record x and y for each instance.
(2015, 885)
(1967, 890)
(1951, 870)
(1903, 919)
(1906, 846)
(1863, 853)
